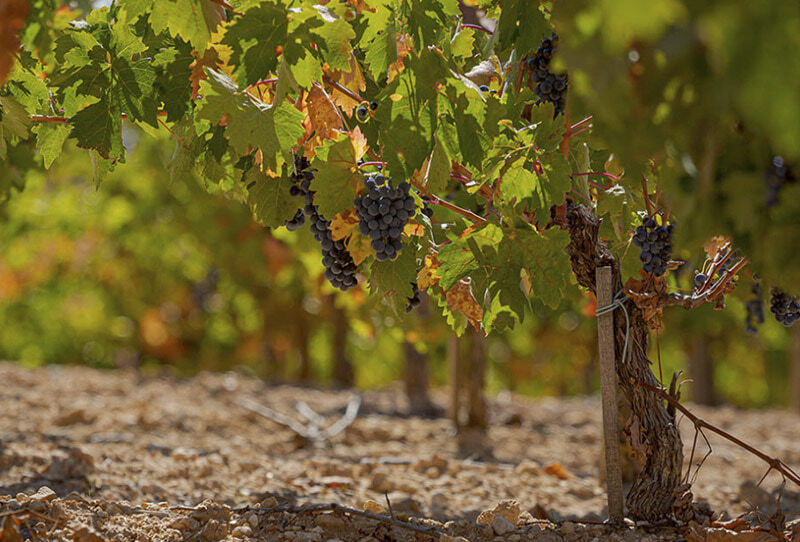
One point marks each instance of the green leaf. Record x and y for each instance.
(335, 45)
(98, 127)
(439, 170)
(14, 122)
(269, 198)
(250, 123)
(337, 177)
(394, 278)
(192, 20)
(254, 38)
(50, 139)
(522, 26)
(381, 51)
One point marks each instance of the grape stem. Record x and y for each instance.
(376, 163)
(264, 82)
(456, 209)
(477, 27)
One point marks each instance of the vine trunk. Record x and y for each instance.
(654, 433)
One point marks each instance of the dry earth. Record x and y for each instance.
(88, 456)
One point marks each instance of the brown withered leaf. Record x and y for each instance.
(713, 245)
(460, 298)
(209, 59)
(343, 224)
(426, 277)
(12, 21)
(404, 46)
(647, 300)
(352, 80)
(323, 115)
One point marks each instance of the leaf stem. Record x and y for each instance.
(343, 89)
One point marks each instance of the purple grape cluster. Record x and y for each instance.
(550, 87)
(775, 178)
(383, 212)
(414, 300)
(755, 309)
(655, 244)
(340, 270)
(784, 308)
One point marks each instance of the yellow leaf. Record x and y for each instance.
(460, 298)
(395, 97)
(352, 80)
(413, 228)
(359, 248)
(360, 144)
(343, 224)
(426, 277)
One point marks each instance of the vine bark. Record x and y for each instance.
(653, 428)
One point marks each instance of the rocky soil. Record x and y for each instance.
(89, 456)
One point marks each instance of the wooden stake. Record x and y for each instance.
(608, 385)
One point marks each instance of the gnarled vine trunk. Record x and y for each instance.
(652, 493)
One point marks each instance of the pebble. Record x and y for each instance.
(501, 526)
(252, 520)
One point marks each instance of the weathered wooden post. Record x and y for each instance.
(608, 386)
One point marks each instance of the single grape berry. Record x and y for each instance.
(484, 88)
(699, 280)
(362, 113)
(373, 105)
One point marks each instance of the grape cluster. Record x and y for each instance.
(340, 270)
(414, 300)
(550, 87)
(775, 178)
(655, 243)
(755, 309)
(784, 308)
(383, 213)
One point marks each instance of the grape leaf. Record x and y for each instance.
(273, 129)
(14, 122)
(269, 198)
(99, 127)
(254, 39)
(192, 20)
(337, 177)
(394, 278)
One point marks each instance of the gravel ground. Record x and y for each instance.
(87, 455)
